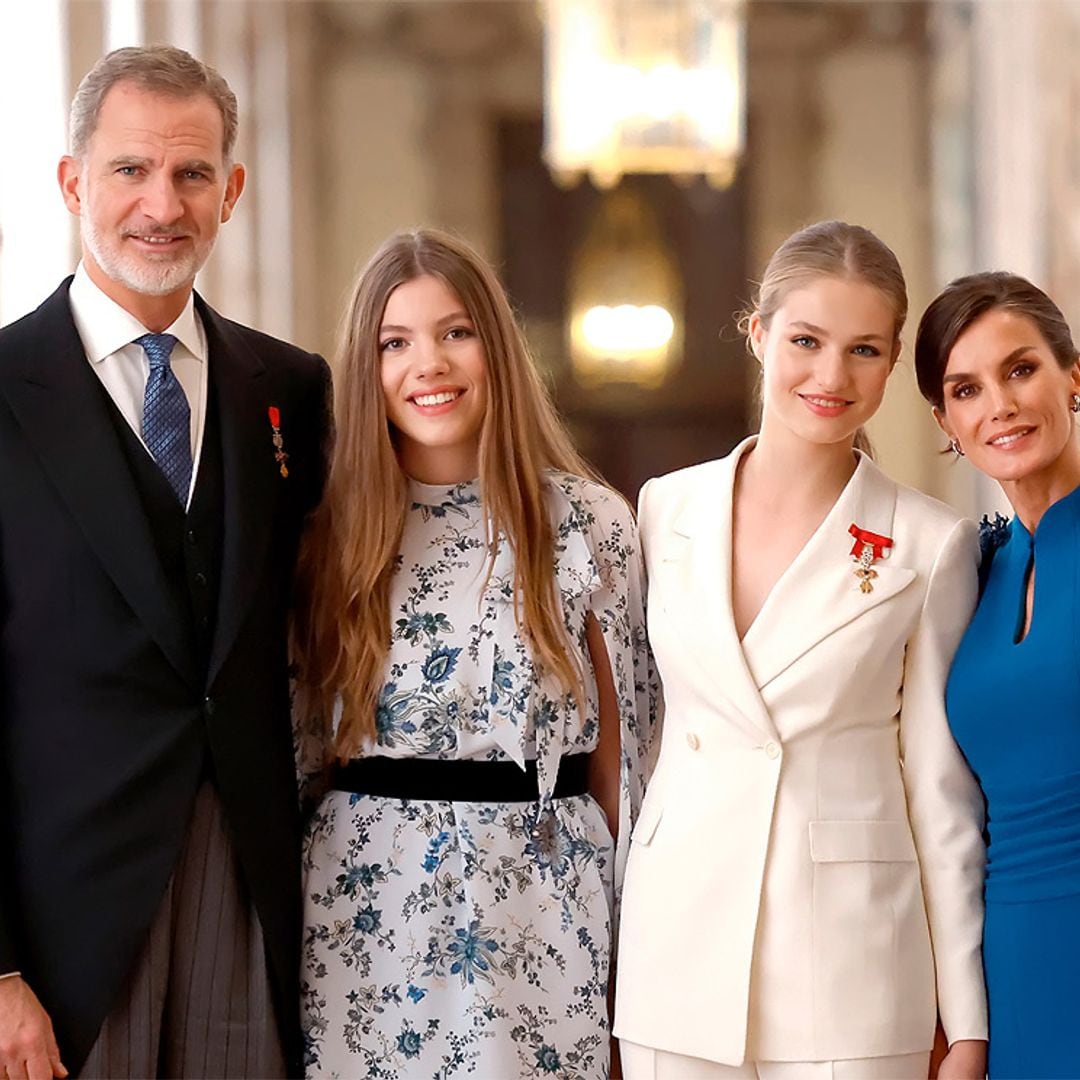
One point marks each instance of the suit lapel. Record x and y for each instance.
(819, 593)
(62, 410)
(695, 567)
(249, 475)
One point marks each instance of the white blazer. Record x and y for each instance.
(811, 841)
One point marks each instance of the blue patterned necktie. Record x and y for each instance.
(166, 418)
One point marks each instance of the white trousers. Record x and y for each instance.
(645, 1063)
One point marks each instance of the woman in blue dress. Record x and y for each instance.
(996, 360)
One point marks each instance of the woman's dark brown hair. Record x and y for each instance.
(967, 299)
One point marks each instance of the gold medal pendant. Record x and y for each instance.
(863, 570)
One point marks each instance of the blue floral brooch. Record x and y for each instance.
(993, 534)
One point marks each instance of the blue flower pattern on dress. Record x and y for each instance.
(472, 952)
(473, 939)
(409, 1043)
(440, 665)
(547, 1058)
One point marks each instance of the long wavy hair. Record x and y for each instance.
(341, 631)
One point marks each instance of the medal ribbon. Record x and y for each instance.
(880, 544)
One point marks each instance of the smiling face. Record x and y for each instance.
(434, 380)
(151, 191)
(1007, 400)
(826, 354)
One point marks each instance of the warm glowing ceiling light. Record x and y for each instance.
(628, 330)
(649, 86)
(625, 298)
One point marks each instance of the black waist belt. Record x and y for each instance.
(431, 780)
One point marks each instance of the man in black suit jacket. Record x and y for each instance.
(150, 513)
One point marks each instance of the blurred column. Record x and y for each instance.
(183, 25)
(873, 114)
(270, 159)
(250, 275)
(1061, 42)
(989, 154)
(125, 24)
(34, 227)
(230, 279)
(1009, 91)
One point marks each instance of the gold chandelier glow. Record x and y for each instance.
(627, 330)
(649, 86)
(625, 297)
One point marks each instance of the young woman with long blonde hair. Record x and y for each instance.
(804, 889)
(472, 617)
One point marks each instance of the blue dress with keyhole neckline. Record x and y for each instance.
(1014, 708)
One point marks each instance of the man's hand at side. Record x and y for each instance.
(28, 1049)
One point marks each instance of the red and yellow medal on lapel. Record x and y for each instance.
(867, 549)
(280, 456)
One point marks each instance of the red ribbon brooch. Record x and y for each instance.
(867, 549)
(279, 443)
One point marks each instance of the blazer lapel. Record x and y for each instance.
(248, 473)
(819, 592)
(695, 569)
(62, 410)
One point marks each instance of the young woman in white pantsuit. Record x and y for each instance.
(804, 890)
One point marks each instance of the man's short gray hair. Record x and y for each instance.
(161, 69)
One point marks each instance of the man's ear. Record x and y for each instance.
(234, 185)
(69, 176)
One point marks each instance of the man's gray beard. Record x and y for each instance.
(140, 277)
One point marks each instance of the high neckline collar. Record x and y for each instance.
(463, 493)
(1066, 507)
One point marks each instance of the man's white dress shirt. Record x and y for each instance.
(108, 333)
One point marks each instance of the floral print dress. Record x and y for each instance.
(473, 939)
